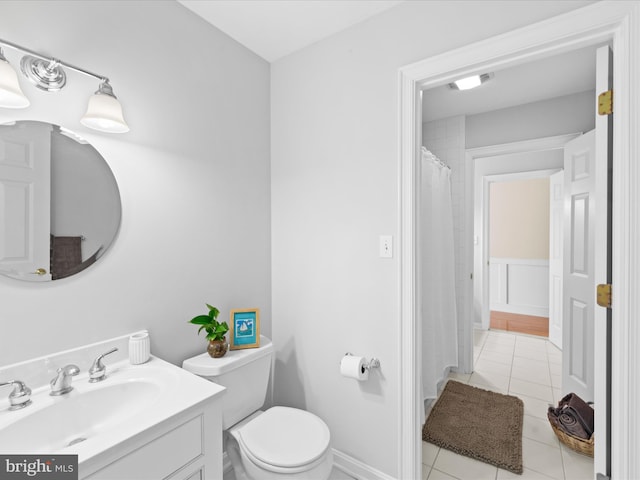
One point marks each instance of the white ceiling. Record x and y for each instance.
(551, 77)
(276, 28)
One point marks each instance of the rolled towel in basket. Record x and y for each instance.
(574, 416)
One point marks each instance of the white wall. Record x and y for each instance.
(334, 190)
(193, 173)
(519, 218)
(555, 116)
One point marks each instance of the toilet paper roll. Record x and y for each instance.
(139, 348)
(352, 366)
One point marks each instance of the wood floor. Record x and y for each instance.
(514, 322)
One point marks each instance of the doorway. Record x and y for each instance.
(518, 238)
(528, 368)
(595, 24)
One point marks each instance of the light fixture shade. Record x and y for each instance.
(11, 95)
(471, 82)
(468, 83)
(104, 113)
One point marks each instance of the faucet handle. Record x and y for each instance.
(20, 397)
(98, 371)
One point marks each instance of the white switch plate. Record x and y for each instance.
(386, 246)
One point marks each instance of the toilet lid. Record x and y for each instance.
(285, 437)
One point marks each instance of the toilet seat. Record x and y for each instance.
(285, 440)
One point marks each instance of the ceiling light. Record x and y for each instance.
(11, 95)
(104, 112)
(468, 83)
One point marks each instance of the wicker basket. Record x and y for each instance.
(580, 445)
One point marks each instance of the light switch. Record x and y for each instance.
(386, 246)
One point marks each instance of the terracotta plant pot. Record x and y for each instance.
(217, 348)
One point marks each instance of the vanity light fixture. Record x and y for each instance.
(11, 95)
(104, 112)
(468, 83)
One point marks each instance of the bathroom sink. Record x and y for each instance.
(94, 417)
(80, 415)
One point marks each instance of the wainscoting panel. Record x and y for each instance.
(519, 286)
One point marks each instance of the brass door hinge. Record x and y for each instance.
(605, 103)
(604, 295)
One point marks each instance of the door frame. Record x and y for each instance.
(615, 22)
(478, 263)
(481, 272)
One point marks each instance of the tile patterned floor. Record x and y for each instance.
(530, 368)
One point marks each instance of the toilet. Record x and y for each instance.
(278, 443)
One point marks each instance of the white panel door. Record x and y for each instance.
(586, 326)
(25, 192)
(586, 365)
(579, 295)
(556, 245)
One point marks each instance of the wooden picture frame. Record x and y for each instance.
(245, 328)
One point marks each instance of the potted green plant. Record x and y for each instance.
(216, 331)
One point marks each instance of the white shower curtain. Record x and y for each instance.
(436, 275)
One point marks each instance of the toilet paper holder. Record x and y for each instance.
(373, 363)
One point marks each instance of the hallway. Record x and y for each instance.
(531, 369)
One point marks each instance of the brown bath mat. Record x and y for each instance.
(479, 424)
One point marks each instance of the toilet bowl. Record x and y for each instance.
(275, 444)
(279, 443)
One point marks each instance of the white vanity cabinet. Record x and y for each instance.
(149, 421)
(187, 446)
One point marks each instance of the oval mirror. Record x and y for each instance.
(60, 206)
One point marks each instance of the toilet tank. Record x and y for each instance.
(244, 373)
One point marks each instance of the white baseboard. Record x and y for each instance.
(357, 469)
(341, 461)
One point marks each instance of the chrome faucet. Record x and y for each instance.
(98, 371)
(20, 397)
(62, 383)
